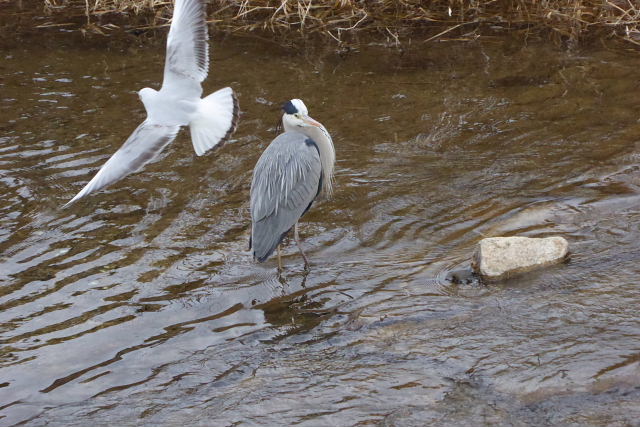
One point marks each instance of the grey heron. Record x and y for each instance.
(211, 120)
(292, 171)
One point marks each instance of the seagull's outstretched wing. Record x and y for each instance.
(187, 62)
(143, 145)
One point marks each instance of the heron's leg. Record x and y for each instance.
(296, 236)
(279, 259)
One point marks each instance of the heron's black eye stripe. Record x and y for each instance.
(289, 108)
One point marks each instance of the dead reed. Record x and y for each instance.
(396, 21)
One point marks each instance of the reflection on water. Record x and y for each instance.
(141, 305)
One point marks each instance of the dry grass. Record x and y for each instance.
(396, 21)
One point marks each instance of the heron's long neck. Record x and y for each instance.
(327, 155)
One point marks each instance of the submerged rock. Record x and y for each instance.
(462, 277)
(501, 257)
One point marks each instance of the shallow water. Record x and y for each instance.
(141, 305)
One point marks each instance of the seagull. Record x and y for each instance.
(178, 103)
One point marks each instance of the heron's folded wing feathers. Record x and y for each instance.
(187, 61)
(143, 145)
(286, 180)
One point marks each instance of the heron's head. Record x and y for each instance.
(296, 116)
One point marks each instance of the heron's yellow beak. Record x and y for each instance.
(308, 120)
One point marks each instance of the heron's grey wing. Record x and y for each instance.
(286, 179)
(143, 145)
(187, 61)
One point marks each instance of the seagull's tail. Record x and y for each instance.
(215, 120)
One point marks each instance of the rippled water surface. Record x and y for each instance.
(141, 305)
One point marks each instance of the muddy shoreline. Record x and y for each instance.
(346, 25)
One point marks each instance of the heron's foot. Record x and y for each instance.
(280, 269)
(296, 236)
(307, 266)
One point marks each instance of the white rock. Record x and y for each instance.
(501, 257)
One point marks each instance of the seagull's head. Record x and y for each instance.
(146, 94)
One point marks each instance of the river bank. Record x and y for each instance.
(345, 22)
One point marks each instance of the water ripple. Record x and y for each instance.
(142, 305)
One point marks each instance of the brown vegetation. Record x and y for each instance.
(397, 21)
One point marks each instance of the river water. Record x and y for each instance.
(142, 306)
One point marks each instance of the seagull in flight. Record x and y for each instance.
(211, 120)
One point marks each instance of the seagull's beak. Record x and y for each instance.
(310, 122)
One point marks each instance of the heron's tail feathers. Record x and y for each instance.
(263, 242)
(215, 120)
